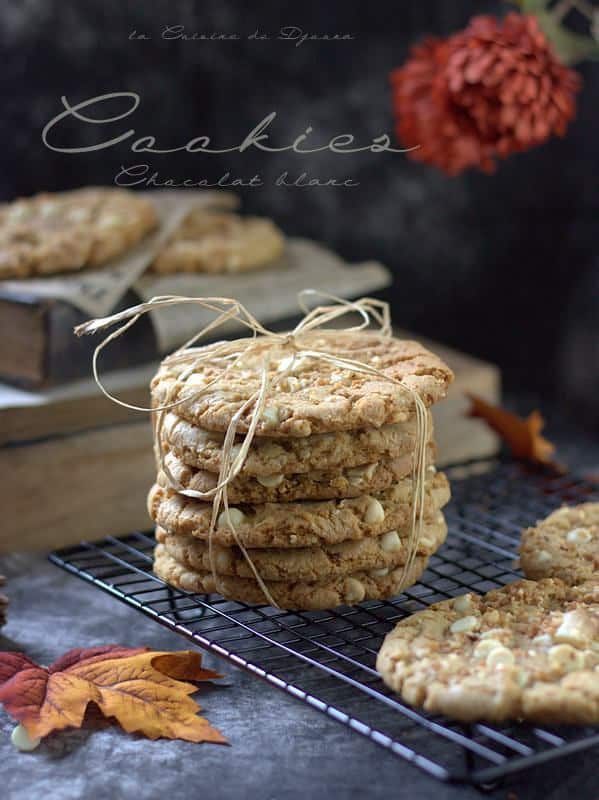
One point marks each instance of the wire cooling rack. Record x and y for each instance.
(327, 658)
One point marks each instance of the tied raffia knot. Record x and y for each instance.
(261, 348)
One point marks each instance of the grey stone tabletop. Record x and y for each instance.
(280, 747)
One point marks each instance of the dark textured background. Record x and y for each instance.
(506, 266)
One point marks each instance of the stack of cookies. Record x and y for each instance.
(323, 501)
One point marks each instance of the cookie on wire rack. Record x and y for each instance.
(529, 650)
(564, 545)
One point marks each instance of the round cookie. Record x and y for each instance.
(268, 456)
(376, 555)
(319, 485)
(299, 524)
(305, 596)
(67, 231)
(564, 545)
(308, 395)
(529, 650)
(213, 241)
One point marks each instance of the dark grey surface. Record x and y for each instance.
(280, 748)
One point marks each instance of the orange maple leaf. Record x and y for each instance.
(522, 436)
(145, 691)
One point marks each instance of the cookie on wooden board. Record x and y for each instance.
(67, 231)
(529, 650)
(220, 242)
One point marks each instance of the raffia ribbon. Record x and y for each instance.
(262, 343)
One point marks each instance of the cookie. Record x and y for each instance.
(529, 650)
(564, 545)
(325, 451)
(214, 241)
(67, 231)
(376, 555)
(298, 595)
(318, 485)
(317, 397)
(300, 524)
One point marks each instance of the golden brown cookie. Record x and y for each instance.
(529, 650)
(318, 485)
(317, 396)
(376, 555)
(299, 524)
(219, 241)
(564, 545)
(273, 456)
(67, 231)
(343, 590)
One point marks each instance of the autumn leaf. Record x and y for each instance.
(522, 436)
(145, 691)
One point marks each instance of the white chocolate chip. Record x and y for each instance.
(465, 624)
(270, 418)
(543, 557)
(270, 481)
(390, 542)
(463, 603)
(236, 516)
(21, 740)
(577, 629)
(485, 646)
(579, 535)
(379, 573)
(109, 221)
(358, 474)
(374, 512)
(500, 655)
(354, 591)
(565, 658)
(543, 640)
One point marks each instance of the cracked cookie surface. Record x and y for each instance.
(309, 395)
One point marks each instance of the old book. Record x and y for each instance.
(39, 348)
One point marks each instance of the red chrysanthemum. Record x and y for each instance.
(492, 89)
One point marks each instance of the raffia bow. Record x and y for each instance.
(262, 343)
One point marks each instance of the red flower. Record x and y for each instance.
(492, 89)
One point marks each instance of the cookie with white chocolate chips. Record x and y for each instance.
(280, 488)
(377, 555)
(529, 650)
(219, 241)
(271, 456)
(293, 595)
(308, 395)
(301, 523)
(564, 545)
(67, 231)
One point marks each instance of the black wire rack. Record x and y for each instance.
(327, 658)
